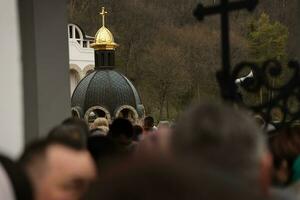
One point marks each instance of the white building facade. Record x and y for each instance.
(80, 53)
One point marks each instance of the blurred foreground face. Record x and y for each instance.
(157, 178)
(66, 176)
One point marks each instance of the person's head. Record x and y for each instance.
(259, 120)
(100, 130)
(226, 138)
(102, 149)
(137, 132)
(284, 145)
(121, 128)
(14, 183)
(58, 168)
(160, 179)
(100, 126)
(69, 132)
(100, 121)
(148, 122)
(80, 123)
(163, 125)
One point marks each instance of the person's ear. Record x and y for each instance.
(265, 173)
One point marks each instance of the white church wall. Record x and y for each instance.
(80, 53)
(11, 103)
(81, 56)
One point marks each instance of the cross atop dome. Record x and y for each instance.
(103, 13)
(104, 39)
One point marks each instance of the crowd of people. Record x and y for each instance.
(211, 152)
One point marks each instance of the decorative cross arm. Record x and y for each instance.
(103, 13)
(201, 11)
(228, 87)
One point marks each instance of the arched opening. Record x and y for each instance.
(127, 112)
(95, 112)
(89, 71)
(74, 79)
(75, 113)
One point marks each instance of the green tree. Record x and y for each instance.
(169, 56)
(165, 78)
(267, 39)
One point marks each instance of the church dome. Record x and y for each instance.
(106, 93)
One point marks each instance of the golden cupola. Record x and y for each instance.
(104, 39)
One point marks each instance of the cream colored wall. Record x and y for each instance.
(81, 59)
(11, 101)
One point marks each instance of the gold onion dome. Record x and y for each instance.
(104, 39)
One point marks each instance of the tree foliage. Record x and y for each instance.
(172, 58)
(267, 39)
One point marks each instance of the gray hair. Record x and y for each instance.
(224, 137)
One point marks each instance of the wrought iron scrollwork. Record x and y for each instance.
(285, 99)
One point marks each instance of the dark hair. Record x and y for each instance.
(148, 122)
(137, 131)
(20, 182)
(69, 132)
(79, 123)
(38, 148)
(284, 144)
(149, 179)
(101, 147)
(121, 126)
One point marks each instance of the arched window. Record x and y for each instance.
(75, 34)
(110, 63)
(102, 60)
(127, 112)
(88, 69)
(75, 113)
(95, 112)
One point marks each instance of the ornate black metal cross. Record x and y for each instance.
(286, 100)
(227, 86)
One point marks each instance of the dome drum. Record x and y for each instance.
(104, 58)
